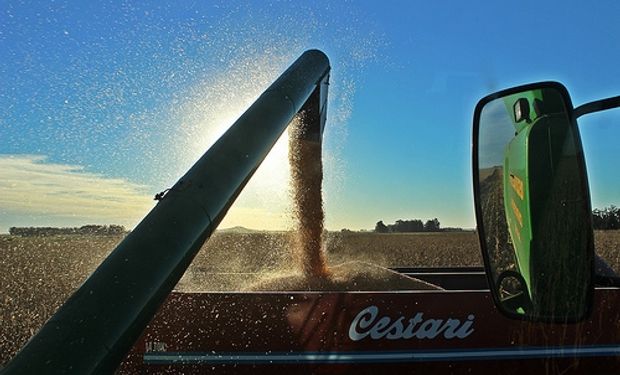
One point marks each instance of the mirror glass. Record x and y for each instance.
(532, 204)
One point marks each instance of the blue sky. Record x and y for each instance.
(103, 104)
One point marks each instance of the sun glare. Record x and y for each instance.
(208, 111)
(264, 202)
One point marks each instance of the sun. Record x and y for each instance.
(264, 203)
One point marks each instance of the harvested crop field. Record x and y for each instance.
(38, 273)
(239, 261)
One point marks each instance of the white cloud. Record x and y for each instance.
(31, 186)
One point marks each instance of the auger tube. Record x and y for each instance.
(95, 328)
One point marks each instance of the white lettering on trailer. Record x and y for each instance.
(366, 324)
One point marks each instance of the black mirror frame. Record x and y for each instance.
(477, 204)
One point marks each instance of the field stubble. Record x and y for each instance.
(38, 273)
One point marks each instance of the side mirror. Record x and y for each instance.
(533, 203)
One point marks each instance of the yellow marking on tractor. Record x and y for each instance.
(517, 213)
(518, 234)
(517, 185)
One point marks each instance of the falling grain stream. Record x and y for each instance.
(306, 180)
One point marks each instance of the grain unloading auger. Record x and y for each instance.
(92, 332)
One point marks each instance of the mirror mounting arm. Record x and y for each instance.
(596, 106)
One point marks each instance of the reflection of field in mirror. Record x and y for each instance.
(498, 243)
(38, 273)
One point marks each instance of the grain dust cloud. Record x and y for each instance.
(309, 269)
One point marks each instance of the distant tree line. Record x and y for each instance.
(607, 218)
(410, 226)
(83, 230)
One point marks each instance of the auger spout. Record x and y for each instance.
(95, 328)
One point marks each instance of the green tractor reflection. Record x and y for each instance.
(546, 206)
